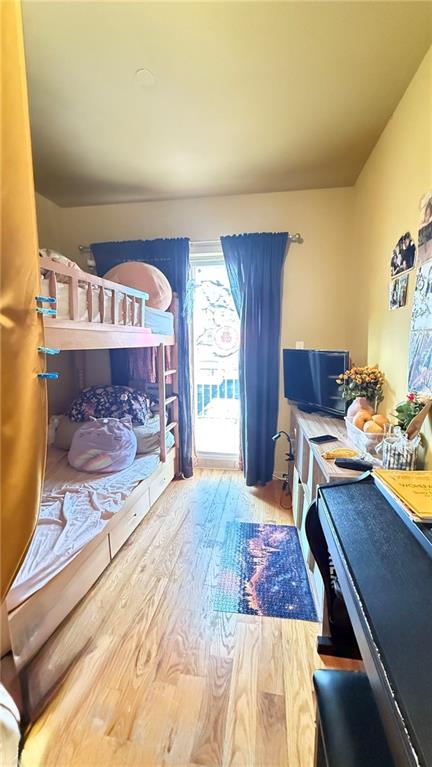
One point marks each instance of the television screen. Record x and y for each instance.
(310, 379)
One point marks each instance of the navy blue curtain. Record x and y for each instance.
(172, 258)
(254, 264)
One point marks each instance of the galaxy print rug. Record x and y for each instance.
(262, 572)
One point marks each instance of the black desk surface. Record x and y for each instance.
(392, 574)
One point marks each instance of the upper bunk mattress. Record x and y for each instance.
(75, 507)
(159, 321)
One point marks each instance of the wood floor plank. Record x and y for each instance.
(271, 743)
(240, 737)
(299, 662)
(179, 738)
(271, 672)
(163, 679)
(210, 733)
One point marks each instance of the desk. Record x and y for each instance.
(311, 470)
(385, 574)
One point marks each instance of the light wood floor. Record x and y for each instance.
(168, 681)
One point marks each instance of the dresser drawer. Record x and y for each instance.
(162, 478)
(119, 535)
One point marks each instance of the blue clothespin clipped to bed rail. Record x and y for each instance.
(50, 312)
(47, 350)
(46, 300)
(48, 376)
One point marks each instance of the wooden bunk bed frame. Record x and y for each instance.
(30, 628)
(69, 334)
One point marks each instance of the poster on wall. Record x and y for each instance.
(420, 348)
(403, 255)
(398, 290)
(425, 230)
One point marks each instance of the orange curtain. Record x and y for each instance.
(23, 395)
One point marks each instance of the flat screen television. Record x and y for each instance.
(310, 379)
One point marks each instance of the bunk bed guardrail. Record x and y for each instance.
(106, 302)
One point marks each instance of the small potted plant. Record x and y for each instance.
(411, 406)
(399, 450)
(363, 387)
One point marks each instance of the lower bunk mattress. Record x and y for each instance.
(75, 507)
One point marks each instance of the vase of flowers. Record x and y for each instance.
(363, 387)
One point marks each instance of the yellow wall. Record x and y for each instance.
(48, 223)
(319, 306)
(387, 196)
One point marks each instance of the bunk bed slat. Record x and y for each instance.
(102, 304)
(73, 298)
(90, 302)
(53, 284)
(114, 318)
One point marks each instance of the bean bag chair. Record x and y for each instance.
(135, 274)
(103, 445)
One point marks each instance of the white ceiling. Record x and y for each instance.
(248, 96)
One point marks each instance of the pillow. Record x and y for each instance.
(64, 429)
(148, 436)
(141, 276)
(54, 256)
(104, 445)
(110, 402)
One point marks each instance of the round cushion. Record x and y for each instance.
(103, 445)
(140, 276)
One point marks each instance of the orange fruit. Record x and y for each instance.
(361, 417)
(381, 420)
(372, 427)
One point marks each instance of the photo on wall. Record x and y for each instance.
(403, 255)
(420, 348)
(425, 230)
(398, 289)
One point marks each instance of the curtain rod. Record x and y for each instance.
(296, 238)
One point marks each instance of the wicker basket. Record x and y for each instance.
(365, 441)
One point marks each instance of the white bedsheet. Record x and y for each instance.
(75, 507)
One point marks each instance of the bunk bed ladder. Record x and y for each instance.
(162, 400)
(170, 402)
(173, 373)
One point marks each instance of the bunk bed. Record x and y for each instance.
(91, 313)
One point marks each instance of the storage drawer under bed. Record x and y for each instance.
(119, 535)
(132, 518)
(162, 478)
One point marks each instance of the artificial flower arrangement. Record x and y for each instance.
(365, 382)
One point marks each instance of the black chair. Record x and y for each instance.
(349, 728)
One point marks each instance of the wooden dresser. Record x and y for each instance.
(311, 470)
